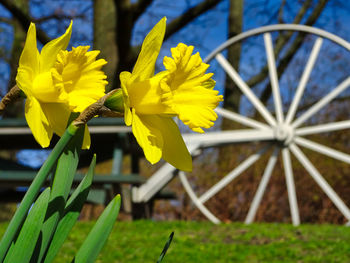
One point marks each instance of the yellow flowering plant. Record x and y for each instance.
(151, 101)
(57, 82)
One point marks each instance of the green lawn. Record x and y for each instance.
(142, 241)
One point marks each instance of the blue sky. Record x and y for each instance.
(207, 32)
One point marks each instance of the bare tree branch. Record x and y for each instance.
(284, 62)
(181, 21)
(280, 43)
(280, 12)
(139, 8)
(57, 17)
(6, 20)
(24, 19)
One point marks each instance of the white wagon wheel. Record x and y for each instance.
(285, 130)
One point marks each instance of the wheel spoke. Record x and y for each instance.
(262, 186)
(316, 107)
(292, 197)
(241, 119)
(323, 149)
(341, 125)
(304, 79)
(232, 175)
(194, 198)
(273, 77)
(321, 181)
(158, 180)
(224, 137)
(245, 89)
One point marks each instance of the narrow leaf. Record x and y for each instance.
(33, 191)
(97, 237)
(166, 246)
(62, 182)
(29, 234)
(74, 205)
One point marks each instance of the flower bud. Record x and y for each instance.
(115, 101)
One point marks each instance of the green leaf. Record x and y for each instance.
(34, 190)
(166, 246)
(97, 237)
(23, 248)
(74, 205)
(62, 182)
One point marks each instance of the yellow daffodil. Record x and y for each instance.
(150, 101)
(57, 82)
(188, 91)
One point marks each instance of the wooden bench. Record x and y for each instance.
(10, 180)
(110, 140)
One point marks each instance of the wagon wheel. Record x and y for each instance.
(282, 131)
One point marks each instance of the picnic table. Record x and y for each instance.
(110, 140)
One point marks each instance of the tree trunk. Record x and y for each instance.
(105, 28)
(19, 37)
(232, 94)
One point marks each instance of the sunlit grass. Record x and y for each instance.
(142, 241)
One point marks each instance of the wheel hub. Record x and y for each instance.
(284, 134)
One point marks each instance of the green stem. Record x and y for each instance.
(33, 190)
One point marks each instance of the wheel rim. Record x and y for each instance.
(283, 131)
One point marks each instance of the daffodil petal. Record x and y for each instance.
(30, 55)
(124, 79)
(145, 96)
(148, 136)
(50, 50)
(24, 79)
(145, 64)
(195, 107)
(37, 122)
(87, 139)
(79, 100)
(44, 90)
(57, 115)
(174, 149)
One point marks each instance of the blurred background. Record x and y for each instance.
(117, 28)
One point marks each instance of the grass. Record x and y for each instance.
(143, 241)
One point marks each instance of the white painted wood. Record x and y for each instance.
(211, 139)
(262, 186)
(271, 28)
(273, 77)
(194, 198)
(231, 176)
(328, 127)
(304, 79)
(292, 197)
(241, 119)
(157, 181)
(245, 89)
(344, 157)
(320, 104)
(92, 129)
(321, 181)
